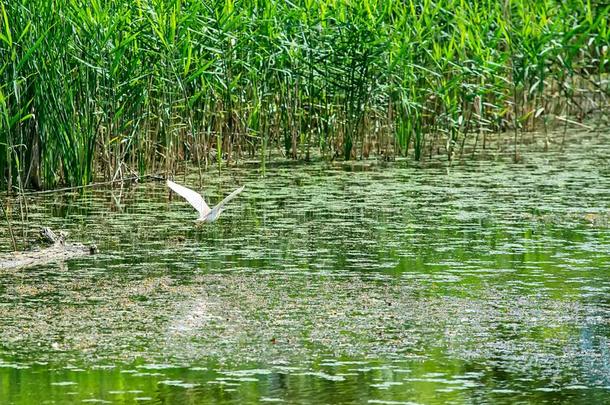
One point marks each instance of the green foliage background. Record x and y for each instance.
(106, 88)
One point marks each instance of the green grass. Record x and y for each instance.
(107, 88)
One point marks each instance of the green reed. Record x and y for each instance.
(107, 89)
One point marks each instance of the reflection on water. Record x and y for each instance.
(485, 282)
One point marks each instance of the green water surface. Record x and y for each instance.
(485, 282)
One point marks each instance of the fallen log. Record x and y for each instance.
(59, 250)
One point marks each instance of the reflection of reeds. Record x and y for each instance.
(128, 87)
(8, 223)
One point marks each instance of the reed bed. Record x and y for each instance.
(113, 88)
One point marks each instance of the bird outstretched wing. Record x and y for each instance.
(217, 210)
(229, 197)
(193, 197)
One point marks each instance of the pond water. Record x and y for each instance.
(488, 281)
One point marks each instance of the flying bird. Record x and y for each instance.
(206, 214)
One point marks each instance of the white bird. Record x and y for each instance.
(206, 214)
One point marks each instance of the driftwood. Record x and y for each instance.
(58, 250)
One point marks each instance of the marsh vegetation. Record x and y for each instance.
(108, 89)
(361, 263)
(324, 283)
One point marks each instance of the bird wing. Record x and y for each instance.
(229, 198)
(193, 197)
(217, 210)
